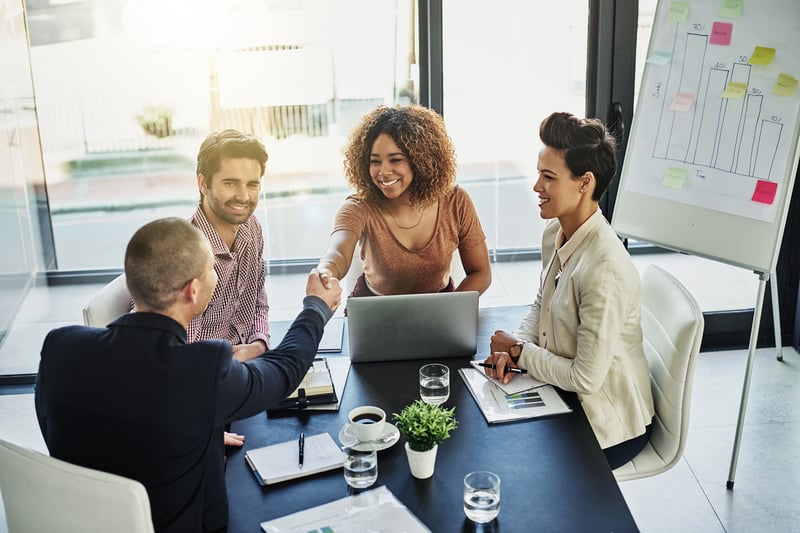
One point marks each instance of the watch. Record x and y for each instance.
(515, 351)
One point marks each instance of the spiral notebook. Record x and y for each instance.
(280, 462)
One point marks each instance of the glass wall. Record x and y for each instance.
(501, 78)
(22, 191)
(126, 91)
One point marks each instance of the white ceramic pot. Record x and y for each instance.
(421, 463)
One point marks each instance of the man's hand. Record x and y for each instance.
(233, 439)
(330, 295)
(245, 352)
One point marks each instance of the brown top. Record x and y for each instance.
(390, 267)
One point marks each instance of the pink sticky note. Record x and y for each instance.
(765, 192)
(721, 33)
(682, 102)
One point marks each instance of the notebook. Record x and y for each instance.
(412, 326)
(316, 388)
(330, 342)
(280, 462)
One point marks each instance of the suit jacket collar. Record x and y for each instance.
(151, 321)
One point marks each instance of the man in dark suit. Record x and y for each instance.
(136, 400)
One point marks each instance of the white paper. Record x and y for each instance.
(376, 510)
(498, 406)
(518, 383)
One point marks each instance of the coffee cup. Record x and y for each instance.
(366, 423)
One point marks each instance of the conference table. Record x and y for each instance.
(554, 476)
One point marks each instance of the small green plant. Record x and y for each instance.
(156, 120)
(424, 425)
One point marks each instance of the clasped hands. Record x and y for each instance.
(500, 343)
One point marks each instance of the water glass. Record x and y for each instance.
(360, 464)
(434, 383)
(481, 496)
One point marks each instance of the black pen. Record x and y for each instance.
(302, 444)
(508, 369)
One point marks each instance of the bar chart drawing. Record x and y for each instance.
(724, 133)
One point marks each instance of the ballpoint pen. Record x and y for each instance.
(508, 369)
(302, 444)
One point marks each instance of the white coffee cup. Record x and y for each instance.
(366, 422)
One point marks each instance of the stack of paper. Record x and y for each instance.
(373, 510)
(523, 397)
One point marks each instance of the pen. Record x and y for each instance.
(514, 370)
(302, 444)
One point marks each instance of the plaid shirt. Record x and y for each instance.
(238, 308)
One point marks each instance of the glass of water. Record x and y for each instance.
(360, 464)
(434, 383)
(481, 496)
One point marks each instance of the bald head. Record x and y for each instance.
(161, 257)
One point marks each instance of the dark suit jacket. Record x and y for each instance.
(136, 400)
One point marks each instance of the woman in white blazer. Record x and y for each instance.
(583, 332)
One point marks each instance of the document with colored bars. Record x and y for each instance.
(523, 397)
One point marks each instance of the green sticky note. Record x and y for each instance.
(731, 9)
(675, 177)
(735, 90)
(678, 12)
(762, 56)
(659, 58)
(785, 85)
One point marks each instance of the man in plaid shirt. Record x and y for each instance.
(230, 166)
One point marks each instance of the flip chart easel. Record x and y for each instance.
(713, 150)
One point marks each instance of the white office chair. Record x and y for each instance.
(41, 493)
(109, 303)
(672, 324)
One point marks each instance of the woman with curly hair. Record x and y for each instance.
(407, 213)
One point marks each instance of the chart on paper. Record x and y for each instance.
(717, 108)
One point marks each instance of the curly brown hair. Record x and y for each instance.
(421, 135)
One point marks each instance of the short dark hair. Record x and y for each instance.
(228, 144)
(587, 146)
(421, 135)
(161, 257)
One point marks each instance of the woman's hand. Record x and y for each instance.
(502, 340)
(325, 276)
(502, 361)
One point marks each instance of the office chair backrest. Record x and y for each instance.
(41, 493)
(672, 325)
(109, 303)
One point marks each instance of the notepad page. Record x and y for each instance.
(279, 462)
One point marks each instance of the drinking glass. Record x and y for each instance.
(360, 464)
(434, 383)
(481, 496)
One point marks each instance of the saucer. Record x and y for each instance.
(388, 439)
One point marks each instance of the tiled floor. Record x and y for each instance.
(690, 497)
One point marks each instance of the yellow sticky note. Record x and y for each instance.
(735, 90)
(678, 12)
(731, 9)
(762, 56)
(785, 85)
(675, 177)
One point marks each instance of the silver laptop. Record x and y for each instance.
(412, 326)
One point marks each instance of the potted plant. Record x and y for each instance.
(424, 426)
(156, 120)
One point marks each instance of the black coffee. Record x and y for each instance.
(367, 418)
